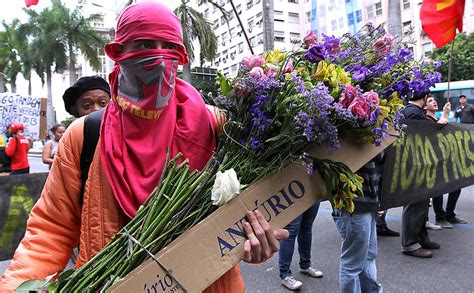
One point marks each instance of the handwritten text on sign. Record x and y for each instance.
(19, 108)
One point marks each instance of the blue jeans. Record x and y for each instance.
(357, 270)
(301, 227)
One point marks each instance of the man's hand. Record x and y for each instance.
(262, 240)
(446, 110)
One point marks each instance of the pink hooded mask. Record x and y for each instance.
(151, 109)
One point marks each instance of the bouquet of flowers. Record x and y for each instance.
(278, 107)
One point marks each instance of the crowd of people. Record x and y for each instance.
(88, 217)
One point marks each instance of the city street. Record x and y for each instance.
(450, 269)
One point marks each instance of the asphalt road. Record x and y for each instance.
(450, 270)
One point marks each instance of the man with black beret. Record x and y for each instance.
(86, 95)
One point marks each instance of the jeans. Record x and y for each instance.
(301, 227)
(414, 233)
(357, 269)
(440, 213)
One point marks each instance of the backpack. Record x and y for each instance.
(91, 137)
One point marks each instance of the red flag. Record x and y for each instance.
(441, 18)
(31, 2)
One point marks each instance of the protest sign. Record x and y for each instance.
(18, 194)
(23, 109)
(430, 160)
(204, 253)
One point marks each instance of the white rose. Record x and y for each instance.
(226, 187)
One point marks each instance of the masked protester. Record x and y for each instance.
(151, 111)
(17, 149)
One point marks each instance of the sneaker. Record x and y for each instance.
(312, 272)
(420, 252)
(431, 226)
(431, 245)
(444, 224)
(385, 231)
(456, 220)
(290, 283)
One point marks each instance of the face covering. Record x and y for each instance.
(151, 110)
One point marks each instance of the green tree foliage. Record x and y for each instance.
(76, 32)
(463, 58)
(196, 27)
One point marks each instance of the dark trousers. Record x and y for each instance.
(441, 214)
(20, 171)
(414, 233)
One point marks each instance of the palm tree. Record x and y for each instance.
(268, 25)
(49, 49)
(4, 53)
(395, 18)
(195, 26)
(78, 34)
(10, 43)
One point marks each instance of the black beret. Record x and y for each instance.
(81, 86)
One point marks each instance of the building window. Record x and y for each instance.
(350, 19)
(257, 1)
(378, 8)
(241, 47)
(323, 30)
(253, 41)
(206, 13)
(358, 16)
(427, 47)
(279, 36)
(407, 27)
(278, 15)
(249, 4)
(308, 17)
(295, 37)
(370, 12)
(233, 68)
(294, 17)
(322, 11)
(216, 24)
(251, 22)
(334, 25)
(292, 1)
(239, 8)
(406, 4)
(348, 1)
(341, 22)
(222, 20)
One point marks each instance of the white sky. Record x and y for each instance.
(11, 9)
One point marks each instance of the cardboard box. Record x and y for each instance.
(201, 255)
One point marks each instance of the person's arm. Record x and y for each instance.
(11, 147)
(445, 116)
(53, 228)
(46, 154)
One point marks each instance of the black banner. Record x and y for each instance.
(430, 160)
(18, 194)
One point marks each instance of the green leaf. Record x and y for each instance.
(30, 285)
(224, 84)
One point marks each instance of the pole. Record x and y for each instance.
(241, 26)
(450, 69)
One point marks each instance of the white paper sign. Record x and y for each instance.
(19, 108)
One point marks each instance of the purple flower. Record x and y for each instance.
(331, 43)
(359, 72)
(315, 53)
(437, 64)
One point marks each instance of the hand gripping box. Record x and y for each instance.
(204, 253)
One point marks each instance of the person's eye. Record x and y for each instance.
(103, 103)
(86, 106)
(147, 45)
(171, 46)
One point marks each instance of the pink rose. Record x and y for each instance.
(360, 109)
(310, 38)
(372, 98)
(253, 61)
(289, 66)
(348, 95)
(241, 91)
(257, 72)
(383, 45)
